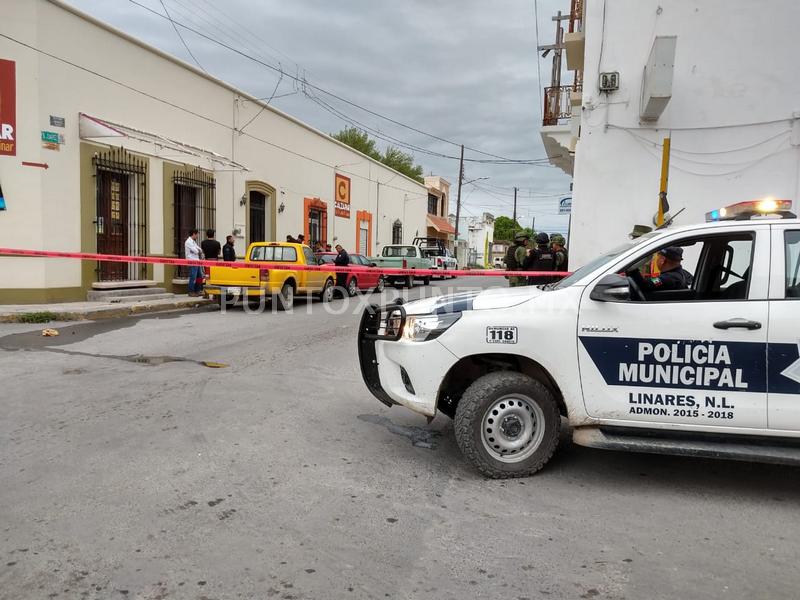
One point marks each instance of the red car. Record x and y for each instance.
(366, 277)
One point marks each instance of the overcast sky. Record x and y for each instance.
(463, 70)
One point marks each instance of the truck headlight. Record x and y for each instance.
(421, 328)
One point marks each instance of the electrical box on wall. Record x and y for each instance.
(609, 81)
(657, 79)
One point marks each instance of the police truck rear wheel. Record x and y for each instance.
(507, 424)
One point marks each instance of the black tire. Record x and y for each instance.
(426, 281)
(352, 287)
(326, 295)
(409, 282)
(285, 297)
(474, 407)
(381, 285)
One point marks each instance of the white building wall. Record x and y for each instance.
(479, 231)
(164, 96)
(735, 102)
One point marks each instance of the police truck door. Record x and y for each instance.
(696, 357)
(784, 330)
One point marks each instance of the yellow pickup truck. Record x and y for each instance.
(225, 283)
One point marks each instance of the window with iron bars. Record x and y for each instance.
(194, 201)
(433, 204)
(397, 232)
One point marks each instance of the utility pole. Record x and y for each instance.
(458, 198)
(515, 206)
(533, 224)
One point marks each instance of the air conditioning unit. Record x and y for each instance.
(609, 81)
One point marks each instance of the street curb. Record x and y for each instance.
(112, 313)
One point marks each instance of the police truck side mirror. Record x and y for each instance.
(611, 288)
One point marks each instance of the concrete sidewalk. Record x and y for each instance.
(79, 311)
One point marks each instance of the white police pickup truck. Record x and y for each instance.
(712, 370)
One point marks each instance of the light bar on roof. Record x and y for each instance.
(751, 208)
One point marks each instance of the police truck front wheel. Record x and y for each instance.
(507, 424)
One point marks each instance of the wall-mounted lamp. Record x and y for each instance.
(243, 200)
(281, 208)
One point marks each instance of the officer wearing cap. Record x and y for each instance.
(672, 276)
(540, 258)
(515, 258)
(558, 246)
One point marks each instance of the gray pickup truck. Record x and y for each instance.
(398, 256)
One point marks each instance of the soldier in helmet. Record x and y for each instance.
(540, 258)
(516, 255)
(558, 246)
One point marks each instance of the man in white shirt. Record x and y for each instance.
(193, 251)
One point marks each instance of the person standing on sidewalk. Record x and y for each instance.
(193, 251)
(228, 251)
(211, 250)
(210, 246)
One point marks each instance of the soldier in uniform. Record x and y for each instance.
(540, 258)
(516, 256)
(558, 246)
(671, 276)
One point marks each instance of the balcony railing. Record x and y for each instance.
(576, 16)
(557, 107)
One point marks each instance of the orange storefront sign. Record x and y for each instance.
(8, 108)
(342, 196)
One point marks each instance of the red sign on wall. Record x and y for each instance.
(342, 196)
(8, 108)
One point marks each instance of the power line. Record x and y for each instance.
(304, 82)
(183, 41)
(204, 117)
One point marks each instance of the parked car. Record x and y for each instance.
(499, 262)
(227, 283)
(398, 256)
(367, 277)
(439, 253)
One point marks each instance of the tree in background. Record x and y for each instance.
(355, 138)
(400, 161)
(393, 158)
(505, 228)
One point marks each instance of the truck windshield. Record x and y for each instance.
(600, 261)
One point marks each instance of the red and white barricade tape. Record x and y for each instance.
(273, 266)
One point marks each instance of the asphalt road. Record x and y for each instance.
(131, 470)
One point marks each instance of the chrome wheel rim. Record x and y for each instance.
(512, 428)
(380, 284)
(328, 293)
(351, 287)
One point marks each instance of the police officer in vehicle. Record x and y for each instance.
(671, 276)
(516, 255)
(540, 258)
(558, 246)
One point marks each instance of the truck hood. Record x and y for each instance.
(473, 300)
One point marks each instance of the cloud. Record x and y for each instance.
(463, 70)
